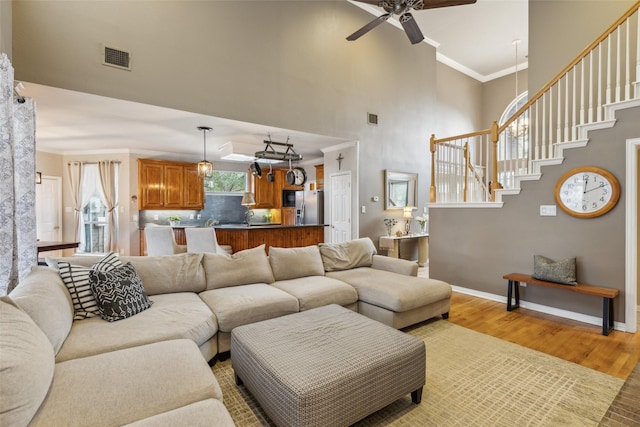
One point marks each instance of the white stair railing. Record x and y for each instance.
(603, 73)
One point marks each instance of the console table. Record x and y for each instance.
(392, 245)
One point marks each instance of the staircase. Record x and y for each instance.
(479, 168)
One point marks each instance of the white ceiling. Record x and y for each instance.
(474, 39)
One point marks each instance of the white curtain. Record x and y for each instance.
(18, 253)
(75, 170)
(108, 171)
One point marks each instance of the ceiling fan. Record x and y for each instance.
(402, 8)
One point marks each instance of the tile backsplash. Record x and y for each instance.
(223, 208)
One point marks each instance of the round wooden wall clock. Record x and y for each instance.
(587, 192)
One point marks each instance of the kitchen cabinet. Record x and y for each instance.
(288, 216)
(265, 193)
(320, 177)
(281, 236)
(169, 185)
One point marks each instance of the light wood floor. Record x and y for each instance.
(616, 354)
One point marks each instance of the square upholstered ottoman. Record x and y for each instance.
(328, 366)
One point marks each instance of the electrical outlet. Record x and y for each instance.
(363, 209)
(375, 199)
(199, 216)
(156, 217)
(192, 216)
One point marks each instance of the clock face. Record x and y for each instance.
(587, 192)
(300, 176)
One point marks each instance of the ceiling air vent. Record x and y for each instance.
(372, 119)
(117, 58)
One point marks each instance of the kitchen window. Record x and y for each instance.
(228, 182)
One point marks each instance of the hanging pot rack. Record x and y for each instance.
(271, 153)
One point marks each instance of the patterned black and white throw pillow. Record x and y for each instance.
(76, 279)
(119, 292)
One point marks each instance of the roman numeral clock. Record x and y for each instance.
(587, 192)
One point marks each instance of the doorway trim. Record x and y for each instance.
(631, 238)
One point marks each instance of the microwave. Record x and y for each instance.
(289, 198)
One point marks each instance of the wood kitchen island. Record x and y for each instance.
(242, 237)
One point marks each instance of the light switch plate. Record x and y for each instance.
(547, 210)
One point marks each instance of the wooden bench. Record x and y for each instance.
(607, 295)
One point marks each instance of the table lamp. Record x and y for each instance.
(248, 200)
(408, 210)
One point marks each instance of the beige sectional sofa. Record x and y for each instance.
(151, 368)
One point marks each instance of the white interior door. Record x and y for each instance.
(340, 207)
(49, 210)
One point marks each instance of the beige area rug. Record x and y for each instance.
(473, 380)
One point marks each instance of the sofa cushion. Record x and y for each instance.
(76, 278)
(239, 305)
(119, 292)
(172, 316)
(242, 268)
(127, 385)
(167, 274)
(26, 365)
(206, 413)
(291, 263)
(393, 291)
(346, 255)
(47, 301)
(318, 291)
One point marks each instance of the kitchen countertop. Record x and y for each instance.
(245, 226)
(265, 226)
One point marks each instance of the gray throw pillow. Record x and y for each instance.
(119, 292)
(555, 271)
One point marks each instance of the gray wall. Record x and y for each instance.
(492, 242)
(560, 29)
(284, 64)
(5, 28)
(498, 94)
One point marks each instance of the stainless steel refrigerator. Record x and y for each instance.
(313, 209)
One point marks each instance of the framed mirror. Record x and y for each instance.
(401, 189)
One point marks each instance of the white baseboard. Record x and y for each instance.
(584, 318)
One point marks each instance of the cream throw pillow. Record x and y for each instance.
(292, 263)
(347, 255)
(242, 268)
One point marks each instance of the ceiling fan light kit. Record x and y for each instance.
(402, 8)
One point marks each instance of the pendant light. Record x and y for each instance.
(520, 126)
(205, 167)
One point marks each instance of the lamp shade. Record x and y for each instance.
(248, 199)
(407, 212)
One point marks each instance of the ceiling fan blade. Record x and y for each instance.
(411, 28)
(370, 26)
(432, 4)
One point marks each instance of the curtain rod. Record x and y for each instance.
(93, 163)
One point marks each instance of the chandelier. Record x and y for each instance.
(205, 167)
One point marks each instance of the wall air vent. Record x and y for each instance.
(117, 58)
(372, 119)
